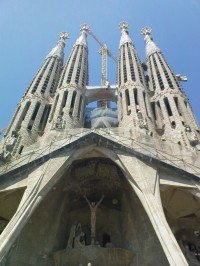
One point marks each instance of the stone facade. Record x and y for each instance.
(125, 195)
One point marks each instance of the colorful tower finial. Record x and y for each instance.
(123, 25)
(84, 27)
(63, 35)
(151, 47)
(146, 31)
(125, 38)
(59, 49)
(82, 38)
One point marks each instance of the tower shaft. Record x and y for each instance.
(171, 108)
(134, 109)
(69, 103)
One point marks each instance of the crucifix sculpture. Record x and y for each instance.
(93, 209)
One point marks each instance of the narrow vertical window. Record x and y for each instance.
(127, 97)
(119, 71)
(145, 104)
(79, 106)
(64, 101)
(40, 77)
(46, 82)
(72, 65)
(44, 118)
(160, 81)
(35, 111)
(131, 64)
(167, 105)
(124, 65)
(121, 107)
(21, 149)
(54, 107)
(78, 71)
(72, 103)
(23, 115)
(136, 96)
(177, 105)
(153, 107)
(127, 101)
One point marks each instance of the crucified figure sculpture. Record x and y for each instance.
(93, 209)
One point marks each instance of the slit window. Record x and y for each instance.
(80, 105)
(21, 149)
(127, 97)
(44, 118)
(54, 107)
(153, 107)
(136, 96)
(23, 115)
(31, 122)
(145, 104)
(72, 102)
(127, 101)
(64, 101)
(167, 105)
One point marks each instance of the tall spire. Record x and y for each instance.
(69, 103)
(82, 39)
(58, 50)
(173, 115)
(46, 79)
(76, 68)
(29, 121)
(125, 38)
(133, 103)
(151, 47)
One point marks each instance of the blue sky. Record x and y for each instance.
(29, 30)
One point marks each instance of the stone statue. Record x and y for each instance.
(93, 209)
(74, 232)
(9, 145)
(191, 254)
(79, 240)
(58, 124)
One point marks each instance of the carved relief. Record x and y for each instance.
(192, 136)
(58, 124)
(76, 237)
(142, 121)
(9, 145)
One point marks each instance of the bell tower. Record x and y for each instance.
(31, 116)
(69, 102)
(172, 112)
(133, 97)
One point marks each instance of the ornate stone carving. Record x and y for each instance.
(192, 136)
(58, 124)
(76, 237)
(93, 209)
(9, 145)
(142, 121)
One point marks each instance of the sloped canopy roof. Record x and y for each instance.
(22, 165)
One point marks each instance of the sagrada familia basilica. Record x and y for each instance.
(101, 186)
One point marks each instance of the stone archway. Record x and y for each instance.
(44, 238)
(182, 211)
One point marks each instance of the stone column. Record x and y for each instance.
(144, 180)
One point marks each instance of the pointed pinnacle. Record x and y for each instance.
(146, 31)
(63, 35)
(84, 27)
(123, 25)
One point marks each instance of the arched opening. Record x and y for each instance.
(9, 202)
(60, 230)
(182, 213)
